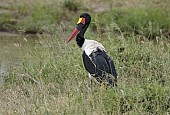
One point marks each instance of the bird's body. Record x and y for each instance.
(95, 59)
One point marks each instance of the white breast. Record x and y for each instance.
(91, 45)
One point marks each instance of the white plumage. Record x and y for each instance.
(90, 46)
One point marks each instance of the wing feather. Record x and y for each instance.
(100, 65)
(88, 64)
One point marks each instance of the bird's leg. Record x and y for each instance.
(91, 83)
(90, 78)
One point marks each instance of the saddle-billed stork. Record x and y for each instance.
(96, 61)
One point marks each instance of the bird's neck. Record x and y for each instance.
(83, 30)
(80, 37)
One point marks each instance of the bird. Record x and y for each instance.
(97, 62)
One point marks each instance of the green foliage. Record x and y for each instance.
(71, 5)
(39, 16)
(6, 23)
(147, 22)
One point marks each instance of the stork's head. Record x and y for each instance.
(83, 21)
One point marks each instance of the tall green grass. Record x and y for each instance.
(51, 78)
(32, 17)
(150, 22)
(147, 22)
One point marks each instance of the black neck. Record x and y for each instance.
(83, 30)
(80, 36)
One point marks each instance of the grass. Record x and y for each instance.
(142, 21)
(149, 19)
(51, 79)
(32, 17)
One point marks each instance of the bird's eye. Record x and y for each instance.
(81, 20)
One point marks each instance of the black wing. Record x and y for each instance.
(112, 66)
(100, 65)
(88, 64)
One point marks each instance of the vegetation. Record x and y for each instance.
(51, 79)
(142, 21)
(149, 21)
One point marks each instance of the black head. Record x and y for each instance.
(81, 27)
(87, 17)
